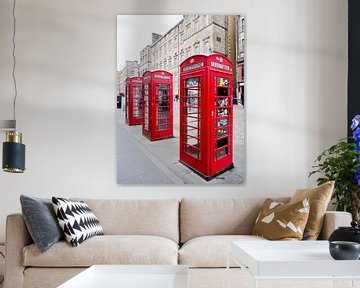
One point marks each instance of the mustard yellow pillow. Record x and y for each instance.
(319, 198)
(279, 221)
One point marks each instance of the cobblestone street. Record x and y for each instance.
(140, 161)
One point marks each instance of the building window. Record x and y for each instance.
(206, 20)
(197, 48)
(188, 49)
(187, 34)
(242, 24)
(242, 45)
(207, 48)
(196, 26)
(218, 38)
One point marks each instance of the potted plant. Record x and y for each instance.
(341, 163)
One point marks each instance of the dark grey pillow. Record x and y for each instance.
(41, 221)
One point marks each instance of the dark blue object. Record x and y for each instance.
(344, 250)
(13, 157)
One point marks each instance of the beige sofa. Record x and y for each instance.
(194, 232)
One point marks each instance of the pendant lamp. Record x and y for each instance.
(13, 160)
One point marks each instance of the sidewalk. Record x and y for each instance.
(140, 161)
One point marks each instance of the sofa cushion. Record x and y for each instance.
(319, 198)
(211, 251)
(107, 249)
(158, 217)
(35, 277)
(201, 217)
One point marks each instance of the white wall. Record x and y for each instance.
(66, 62)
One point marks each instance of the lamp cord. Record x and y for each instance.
(14, 61)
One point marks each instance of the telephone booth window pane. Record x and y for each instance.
(222, 119)
(222, 152)
(163, 111)
(192, 116)
(127, 102)
(146, 107)
(137, 101)
(222, 91)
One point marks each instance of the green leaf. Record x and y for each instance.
(338, 163)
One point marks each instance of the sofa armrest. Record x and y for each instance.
(17, 237)
(333, 220)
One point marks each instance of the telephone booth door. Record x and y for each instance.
(206, 115)
(158, 105)
(134, 101)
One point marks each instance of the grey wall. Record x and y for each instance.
(66, 62)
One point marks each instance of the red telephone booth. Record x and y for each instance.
(206, 114)
(134, 101)
(158, 105)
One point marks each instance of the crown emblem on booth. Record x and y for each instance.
(220, 59)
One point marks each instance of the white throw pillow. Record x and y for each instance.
(77, 220)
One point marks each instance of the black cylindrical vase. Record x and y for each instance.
(13, 153)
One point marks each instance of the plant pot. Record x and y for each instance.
(351, 233)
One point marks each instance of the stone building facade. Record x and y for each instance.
(145, 54)
(131, 69)
(240, 63)
(194, 34)
(145, 60)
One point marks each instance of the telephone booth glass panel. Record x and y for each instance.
(134, 101)
(126, 103)
(191, 117)
(206, 114)
(222, 120)
(146, 107)
(158, 105)
(137, 92)
(163, 107)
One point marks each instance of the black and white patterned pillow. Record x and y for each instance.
(77, 220)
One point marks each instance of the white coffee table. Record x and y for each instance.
(285, 260)
(131, 276)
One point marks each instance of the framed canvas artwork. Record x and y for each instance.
(180, 116)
